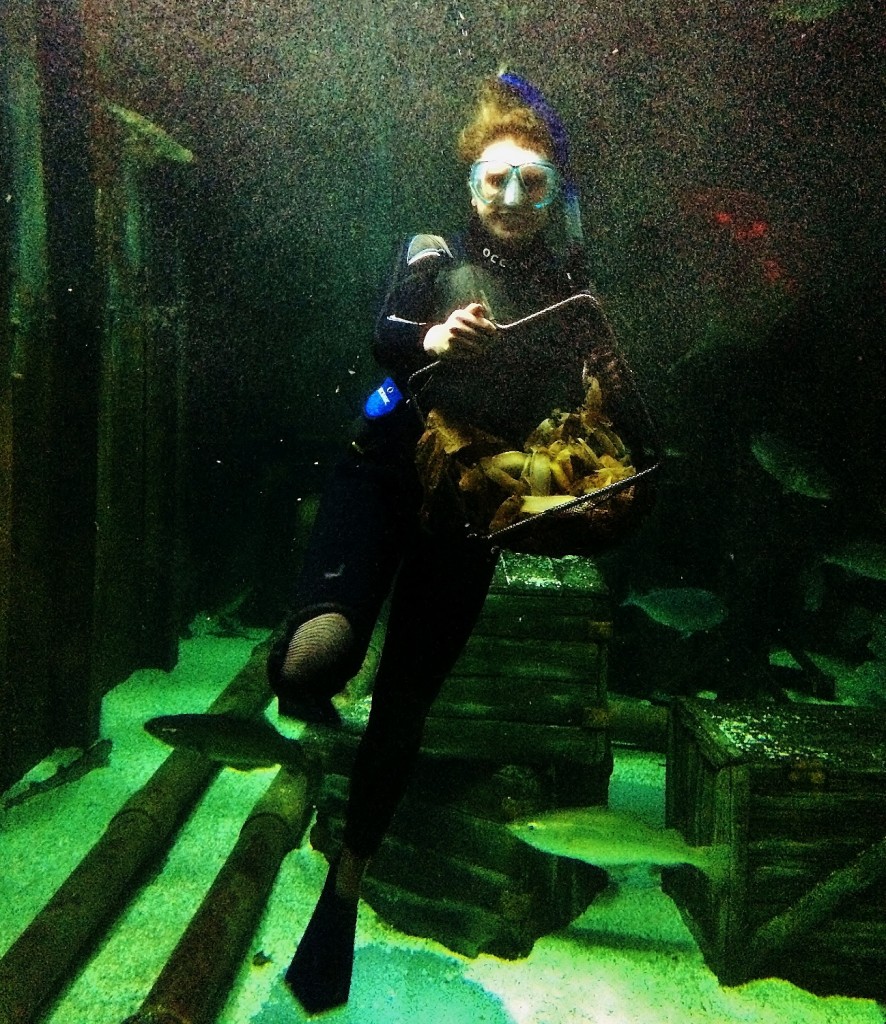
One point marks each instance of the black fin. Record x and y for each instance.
(320, 973)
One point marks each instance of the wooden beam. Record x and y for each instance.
(786, 929)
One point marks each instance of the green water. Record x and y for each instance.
(199, 205)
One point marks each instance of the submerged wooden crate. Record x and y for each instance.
(530, 686)
(519, 727)
(796, 796)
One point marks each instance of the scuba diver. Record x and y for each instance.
(375, 533)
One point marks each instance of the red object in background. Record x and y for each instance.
(756, 229)
(742, 220)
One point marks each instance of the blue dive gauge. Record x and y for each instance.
(383, 400)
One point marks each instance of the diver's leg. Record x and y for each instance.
(436, 600)
(314, 664)
(352, 555)
(365, 521)
(320, 973)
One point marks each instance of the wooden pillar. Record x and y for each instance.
(91, 327)
(137, 520)
(68, 102)
(25, 414)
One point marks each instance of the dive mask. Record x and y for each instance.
(536, 182)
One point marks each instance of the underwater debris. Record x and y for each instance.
(149, 140)
(795, 469)
(611, 839)
(96, 756)
(861, 557)
(686, 609)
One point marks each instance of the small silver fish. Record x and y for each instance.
(687, 609)
(97, 756)
(242, 743)
(806, 10)
(796, 470)
(862, 557)
(612, 839)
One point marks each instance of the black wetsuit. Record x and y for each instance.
(368, 536)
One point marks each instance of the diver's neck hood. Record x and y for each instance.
(529, 257)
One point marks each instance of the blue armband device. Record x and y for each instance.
(383, 400)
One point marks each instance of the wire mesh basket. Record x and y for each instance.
(532, 447)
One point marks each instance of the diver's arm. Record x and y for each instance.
(408, 309)
(407, 336)
(461, 335)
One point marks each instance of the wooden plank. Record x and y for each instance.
(27, 611)
(516, 691)
(709, 806)
(431, 875)
(545, 709)
(531, 574)
(496, 793)
(513, 742)
(448, 830)
(557, 618)
(462, 927)
(137, 570)
(522, 658)
(838, 961)
(785, 930)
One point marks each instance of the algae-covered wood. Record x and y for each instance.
(529, 686)
(799, 796)
(502, 742)
(25, 411)
(47, 437)
(138, 589)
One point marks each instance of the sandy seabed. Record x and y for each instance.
(628, 959)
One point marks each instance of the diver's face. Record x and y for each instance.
(511, 214)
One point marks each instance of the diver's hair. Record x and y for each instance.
(498, 114)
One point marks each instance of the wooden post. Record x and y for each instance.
(136, 517)
(25, 413)
(195, 980)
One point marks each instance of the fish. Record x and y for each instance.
(615, 839)
(861, 685)
(877, 644)
(686, 609)
(806, 10)
(96, 756)
(245, 744)
(861, 557)
(149, 139)
(795, 469)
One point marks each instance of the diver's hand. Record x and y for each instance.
(463, 334)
